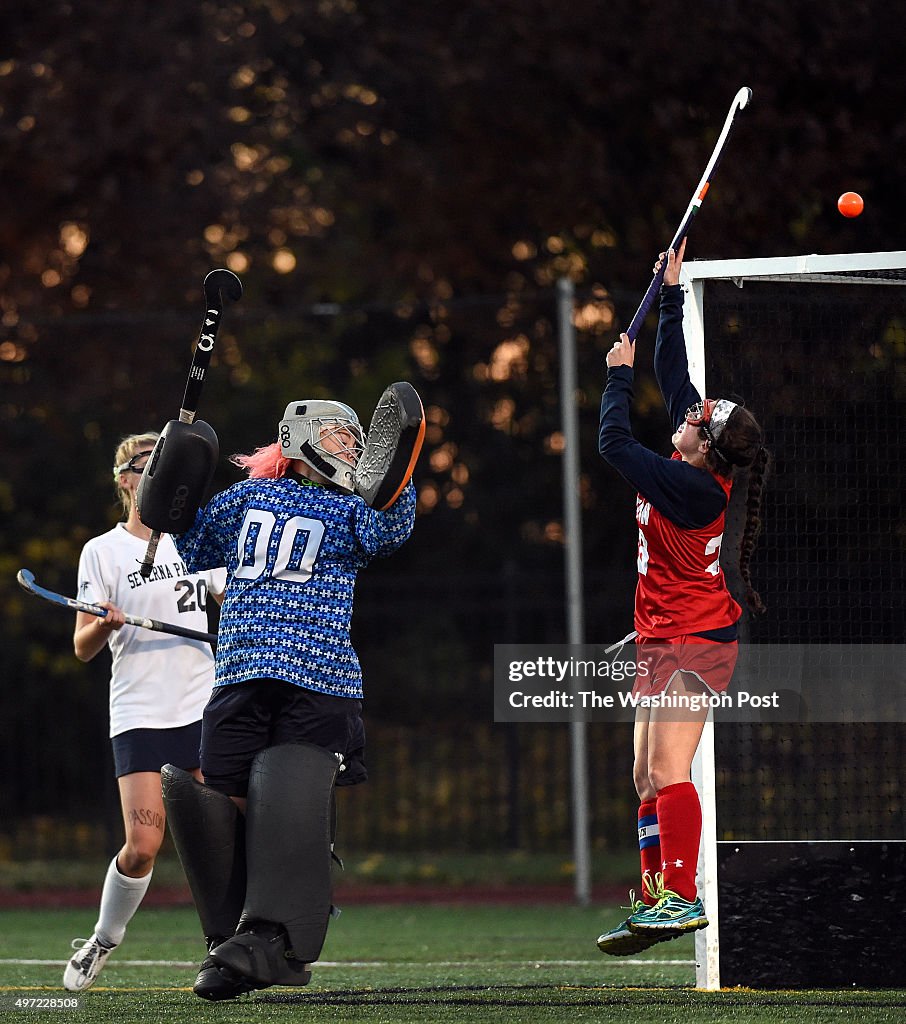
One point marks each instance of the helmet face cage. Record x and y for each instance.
(699, 415)
(711, 416)
(305, 427)
(339, 431)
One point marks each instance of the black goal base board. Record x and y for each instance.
(812, 914)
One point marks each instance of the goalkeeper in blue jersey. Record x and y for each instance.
(283, 724)
(293, 541)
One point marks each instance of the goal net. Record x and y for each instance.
(816, 345)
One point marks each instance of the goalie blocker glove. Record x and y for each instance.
(176, 480)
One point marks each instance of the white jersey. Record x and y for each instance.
(158, 681)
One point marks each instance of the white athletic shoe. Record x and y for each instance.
(82, 970)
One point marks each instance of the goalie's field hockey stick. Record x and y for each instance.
(740, 101)
(26, 580)
(219, 285)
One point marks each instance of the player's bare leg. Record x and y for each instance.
(672, 739)
(673, 735)
(620, 941)
(127, 880)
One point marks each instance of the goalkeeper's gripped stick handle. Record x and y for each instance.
(26, 580)
(740, 101)
(218, 286)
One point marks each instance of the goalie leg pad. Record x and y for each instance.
(176, 480)
(289, 822)
(209, 835)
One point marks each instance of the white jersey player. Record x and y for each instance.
(159, 686)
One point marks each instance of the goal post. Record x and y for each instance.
(817, 347)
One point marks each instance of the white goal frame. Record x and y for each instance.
(840, 268)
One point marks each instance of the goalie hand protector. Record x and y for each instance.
(177, 477)
(395, 439)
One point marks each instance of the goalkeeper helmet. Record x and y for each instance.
(326, 436)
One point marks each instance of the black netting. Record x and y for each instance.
(823, 367)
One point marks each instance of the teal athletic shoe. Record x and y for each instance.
(620, 941)
(670, 916)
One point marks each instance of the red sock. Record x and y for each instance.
(649, 846)
(679, 815)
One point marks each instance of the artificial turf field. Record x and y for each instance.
(412, 962)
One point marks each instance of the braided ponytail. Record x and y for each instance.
(741, 446)
(757, 475)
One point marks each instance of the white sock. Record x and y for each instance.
(120, 898)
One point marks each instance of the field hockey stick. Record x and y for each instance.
(219, 285)
(26, 580)
(620, 644)
(740, 101)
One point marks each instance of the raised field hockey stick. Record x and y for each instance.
(26, 580)
(740, 101)
(219, 285)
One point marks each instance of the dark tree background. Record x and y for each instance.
(399, 185)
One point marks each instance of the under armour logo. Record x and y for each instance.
(673, 863)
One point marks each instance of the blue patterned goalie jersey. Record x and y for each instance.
(292, 551)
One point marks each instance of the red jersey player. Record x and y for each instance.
(684, 613)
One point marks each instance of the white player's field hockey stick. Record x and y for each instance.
(740, 101)
(26, 580)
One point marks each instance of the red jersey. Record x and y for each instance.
(681, 587)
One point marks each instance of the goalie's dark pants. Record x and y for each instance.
(244, 718)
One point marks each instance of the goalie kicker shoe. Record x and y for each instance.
(82, 970)
(259, 954)
(669, 917)
(215, 982)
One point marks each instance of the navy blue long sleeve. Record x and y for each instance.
(687, 496)
(671, 365)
